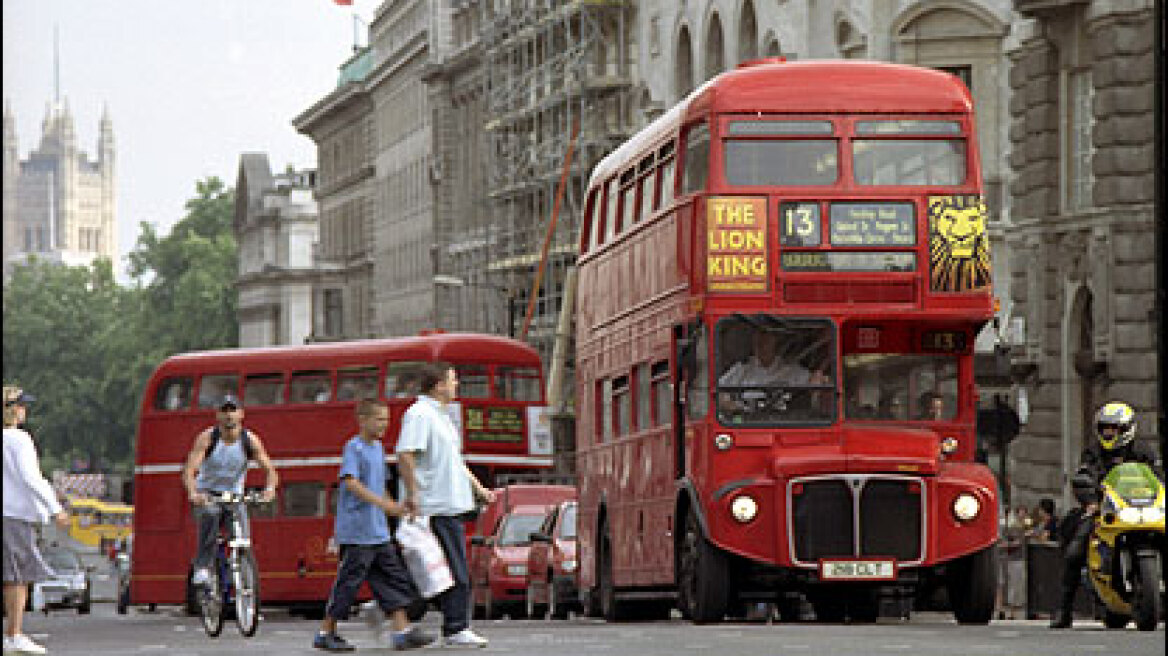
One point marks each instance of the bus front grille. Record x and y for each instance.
(856, 517)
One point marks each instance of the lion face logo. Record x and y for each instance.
(959, 250)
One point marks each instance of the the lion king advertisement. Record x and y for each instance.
(959, 248)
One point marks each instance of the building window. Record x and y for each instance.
(964, 73)
(333, 312)
(1080, 151)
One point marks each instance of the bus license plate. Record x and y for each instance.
(853, 570)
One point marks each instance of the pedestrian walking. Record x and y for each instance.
(362, 533)
(29, 500)
(437, 483)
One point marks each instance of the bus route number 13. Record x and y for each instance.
(800, 224)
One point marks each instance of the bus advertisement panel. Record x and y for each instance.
(781, 281)
(301, 401)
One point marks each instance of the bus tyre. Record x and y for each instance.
(973, 583)
(1146, 603)
(703, 577)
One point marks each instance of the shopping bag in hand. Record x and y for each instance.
(424, 556)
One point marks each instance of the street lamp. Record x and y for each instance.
(444, 280)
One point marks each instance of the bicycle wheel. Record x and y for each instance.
(247, 592)
(211, 604)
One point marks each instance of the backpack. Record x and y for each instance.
(248, 449)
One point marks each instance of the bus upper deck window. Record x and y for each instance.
(174, 394)
(697, 159)
(309, 387)
(787, 162)
(473, 381)
(357, 383)
(402, 379)
(517, 384)
(898, 162)
(213, 387)
(263, 389)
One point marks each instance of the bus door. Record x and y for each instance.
(692, 393)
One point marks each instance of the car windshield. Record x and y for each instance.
(775, 370)
(900, 386)
(568, 523)
(62, 561)
(517, 529)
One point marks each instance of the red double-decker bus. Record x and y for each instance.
(780, 284)
(301, 401)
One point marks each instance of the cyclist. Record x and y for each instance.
(1116, 426)
(219, 459)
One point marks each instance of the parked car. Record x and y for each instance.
(71, 585)
(499, 574)
(552, 565)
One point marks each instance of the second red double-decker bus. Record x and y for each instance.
(781, 281)
(301, 401)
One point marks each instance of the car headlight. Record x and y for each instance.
(517, 570)
(569, 566)
(966, 507)
(744, 508)
(1130, 515)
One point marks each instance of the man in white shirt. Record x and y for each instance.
(28, 500)
(764, 368)
(437, 483)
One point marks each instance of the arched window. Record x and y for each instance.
(715, 60)
(747, 33)
(683, 73)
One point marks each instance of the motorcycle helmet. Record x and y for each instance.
(1116, 415)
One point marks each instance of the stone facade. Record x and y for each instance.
(59, 205)
(277, 230)
(1081, 108)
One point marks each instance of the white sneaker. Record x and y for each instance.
(465, 638)
(201, 576)
(21, 644)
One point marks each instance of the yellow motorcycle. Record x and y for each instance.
(1126, 547)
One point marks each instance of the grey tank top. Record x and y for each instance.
(223, 470)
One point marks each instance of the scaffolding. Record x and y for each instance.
(548, 64)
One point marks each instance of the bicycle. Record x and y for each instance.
(234, 579)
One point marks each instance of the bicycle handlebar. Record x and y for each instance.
(250, 496)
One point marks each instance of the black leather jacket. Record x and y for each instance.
(1095, 463)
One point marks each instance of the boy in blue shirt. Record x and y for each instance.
(362, 534)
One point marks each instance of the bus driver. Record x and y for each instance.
(765, 368)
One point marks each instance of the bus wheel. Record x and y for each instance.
(703, 577)
(973, 583)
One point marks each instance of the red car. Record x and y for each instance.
(500, 542)
(499, 573)
(552, 565)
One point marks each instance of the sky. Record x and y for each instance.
(190, 86)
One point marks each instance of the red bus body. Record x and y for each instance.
(302, 403)
(835, 206)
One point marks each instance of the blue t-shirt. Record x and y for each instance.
(360, 522)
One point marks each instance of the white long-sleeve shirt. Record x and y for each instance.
(27, 495)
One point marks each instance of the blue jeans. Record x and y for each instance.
(381, 567)
(455, 602)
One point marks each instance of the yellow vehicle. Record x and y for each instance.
(1125, 553)
(97, 523)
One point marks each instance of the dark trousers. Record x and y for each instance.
(381, 567)
(209, 517)
(1074, 556)
(455, 602)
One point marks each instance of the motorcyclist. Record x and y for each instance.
(1115, 425)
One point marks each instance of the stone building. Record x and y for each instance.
(277, 230)
(1081, 108)
(59, 205)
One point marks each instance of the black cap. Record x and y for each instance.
(229, 400)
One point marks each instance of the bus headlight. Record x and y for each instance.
(948, 445)
(966, 507)
(744, 508)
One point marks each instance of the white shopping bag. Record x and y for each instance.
(424, 556)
